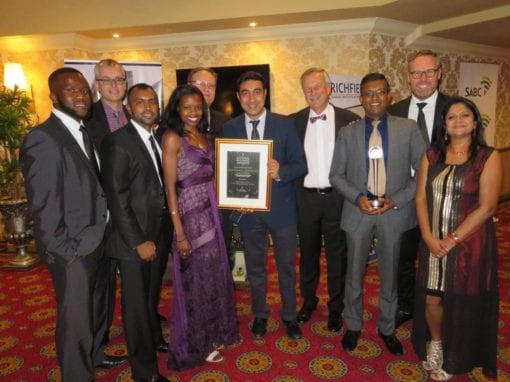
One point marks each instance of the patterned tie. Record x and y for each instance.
(421, 121)
(377, 186)
(254, 132)
(89, 149)
(322, 116)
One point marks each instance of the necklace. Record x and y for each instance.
(196, 139)
(458, 152)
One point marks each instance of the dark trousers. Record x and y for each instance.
(141, 285)
(255, 238)
(406, 276)
(80, 289)
(318, 215)
(112, 265)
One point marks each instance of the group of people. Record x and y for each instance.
(116, 189)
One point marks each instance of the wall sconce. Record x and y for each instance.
(14, 76)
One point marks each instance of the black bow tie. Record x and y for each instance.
(322, 116)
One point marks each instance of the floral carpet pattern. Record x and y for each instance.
(27, 327)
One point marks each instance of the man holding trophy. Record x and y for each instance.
(374, 164)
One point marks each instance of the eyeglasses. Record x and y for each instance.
(204, 85)
(378, 93)
(110, 81)
(429, 73)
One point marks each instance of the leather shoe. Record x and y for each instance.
(112, 361)
(293, 329)
(401, 317)
(305, 313)
(162, 347)
(152, 378)
(350, 340)
(392, 343)
(259, 327)
(161, 318)
(334, 322)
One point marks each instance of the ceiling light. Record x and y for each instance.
(252, 24)
(115, 35)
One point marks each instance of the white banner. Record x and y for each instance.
(479, 83)
(345, 92)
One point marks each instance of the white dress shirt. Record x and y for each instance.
(145, 135)
(429, 111)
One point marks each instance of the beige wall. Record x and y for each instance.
(353, 54)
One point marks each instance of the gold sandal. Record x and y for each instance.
(440, 375)
(214, 357)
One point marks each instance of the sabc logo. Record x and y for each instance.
(483, 89)
(486, 119)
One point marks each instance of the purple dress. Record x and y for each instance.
(203, 305)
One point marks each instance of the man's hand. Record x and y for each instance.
(365, 206)
(273, 168)
(146, 251)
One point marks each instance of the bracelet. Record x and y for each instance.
(180, 241)
(172, 213)
(453, 236)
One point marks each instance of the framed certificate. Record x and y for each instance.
(242, 178)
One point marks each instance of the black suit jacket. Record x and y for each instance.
(67, 201)
(97, 124)
(218, 119)
(342, 118)
(135, 195)
(401, 109)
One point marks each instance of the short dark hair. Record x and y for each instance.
(140, 86)
(53, 78)
(201, 69)
(443, 140)
(171, 120)
(370, 77)
(251, 75)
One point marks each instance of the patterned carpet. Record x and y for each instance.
(27, 351)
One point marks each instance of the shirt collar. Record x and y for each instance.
(261, 118)
(144, 134)
(431, 100)
(67, 120)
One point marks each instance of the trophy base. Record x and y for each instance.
(376, 203)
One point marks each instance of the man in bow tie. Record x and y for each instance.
(319, 205)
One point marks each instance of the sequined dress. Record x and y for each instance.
(203, 306)
(466, 278)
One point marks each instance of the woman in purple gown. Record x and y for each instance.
(203, 318)
(456, 306)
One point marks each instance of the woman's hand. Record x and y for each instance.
(183, 246)
(439, 248)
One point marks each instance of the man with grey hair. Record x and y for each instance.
(424, 105)
(319, 205)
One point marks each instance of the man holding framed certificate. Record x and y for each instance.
(285, 166)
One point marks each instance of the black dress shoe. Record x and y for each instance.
(350, 340)
(162, 347)
(334, 322)
(305, 313)
(392, 343)
(112, 361)
(293, 329)
(153, 378)
(259, 327)
(161, 318)
(401, 317)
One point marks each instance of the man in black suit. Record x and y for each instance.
(319, 205)
(69, 209)
(424, 105)
(108, 114)
(140, 233)
(287, 164)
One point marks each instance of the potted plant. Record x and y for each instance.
(15, 122)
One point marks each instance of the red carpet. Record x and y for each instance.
(27, 352)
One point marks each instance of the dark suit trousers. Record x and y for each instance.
(112, 266)
(141, 285)
(255, 240)
(320, 214)
(80, 289)
(406, 278)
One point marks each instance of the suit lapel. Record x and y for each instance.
(268, 128)
(138, 142)
(360, 142)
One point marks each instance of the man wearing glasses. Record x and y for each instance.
(108, 114)
(424, 105)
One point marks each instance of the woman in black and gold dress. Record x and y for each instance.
(456, 311)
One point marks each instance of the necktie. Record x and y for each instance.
(254, 132)
(158, 158)
(89, 149)
(322, 116)
(421, 121)
(376, 185)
